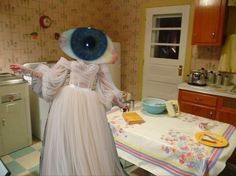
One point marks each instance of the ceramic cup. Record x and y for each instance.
(206, 125)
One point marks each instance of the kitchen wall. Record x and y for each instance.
(123, 20)
(19, 27)
(23, 40)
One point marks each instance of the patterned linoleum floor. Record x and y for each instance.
(25, 162)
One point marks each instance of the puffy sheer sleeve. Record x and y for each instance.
(54, 78)
(37, 82)
(106, 89)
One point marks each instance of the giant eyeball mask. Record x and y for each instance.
(88, 44)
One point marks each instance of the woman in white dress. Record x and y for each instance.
(78, 139)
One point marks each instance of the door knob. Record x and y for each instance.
(180, 69)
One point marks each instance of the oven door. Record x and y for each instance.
(13, 125)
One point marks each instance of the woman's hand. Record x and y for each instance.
(16, 68)
(125, 108)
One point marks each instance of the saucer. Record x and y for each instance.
(212, 140)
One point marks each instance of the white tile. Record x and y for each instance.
(37, 146)
(26, 173)
(30, 160)
(7, 159)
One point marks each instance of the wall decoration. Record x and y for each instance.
(45, 21)
(56, 35)
(34, 35)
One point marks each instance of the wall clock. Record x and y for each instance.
(45, 21)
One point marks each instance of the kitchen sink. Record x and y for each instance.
(233, 90)
(206, 88)
(227, 89)
(224, 89)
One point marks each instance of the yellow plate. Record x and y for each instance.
(211, 139)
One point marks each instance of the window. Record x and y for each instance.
(165, 37)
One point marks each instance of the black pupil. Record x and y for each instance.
(89, 42)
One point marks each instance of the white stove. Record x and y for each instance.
(15, 123)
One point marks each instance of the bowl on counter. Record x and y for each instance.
(154, 105)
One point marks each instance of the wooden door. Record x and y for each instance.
(165, 49)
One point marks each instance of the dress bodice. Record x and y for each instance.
(83, 75)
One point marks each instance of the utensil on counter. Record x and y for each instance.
(211, 77)
(219, 79)
(197, 78)
(226, 80)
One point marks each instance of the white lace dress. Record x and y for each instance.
(78, 139)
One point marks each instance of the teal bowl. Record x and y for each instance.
(154, 105)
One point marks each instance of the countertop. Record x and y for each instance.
(224, 91)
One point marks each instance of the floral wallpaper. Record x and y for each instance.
(23, 40)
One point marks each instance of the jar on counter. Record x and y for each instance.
(204, 71)
(189, 80)
(226, 80)
(219, 79)
(211, 77)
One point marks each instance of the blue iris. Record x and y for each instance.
(88, 43)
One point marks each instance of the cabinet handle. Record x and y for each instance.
(211, 113)
(3, 122)
(198, 99)
(213, 34)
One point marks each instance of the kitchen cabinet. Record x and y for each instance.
(197, 103)
(210, 106)
(209, 19)
(226, 110)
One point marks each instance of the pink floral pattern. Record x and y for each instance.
(118, 125)
(184, 149)
(190, 118)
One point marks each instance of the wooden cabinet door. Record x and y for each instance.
(226, 110)
(198, 98)
(200, 110)
(227, 117)
(208, 22)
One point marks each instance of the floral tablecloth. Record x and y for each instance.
(166, 146)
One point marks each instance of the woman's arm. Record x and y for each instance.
(107, 91)
(17, 68)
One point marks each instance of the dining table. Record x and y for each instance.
(165, 146)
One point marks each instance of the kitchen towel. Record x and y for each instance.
(228, 55)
